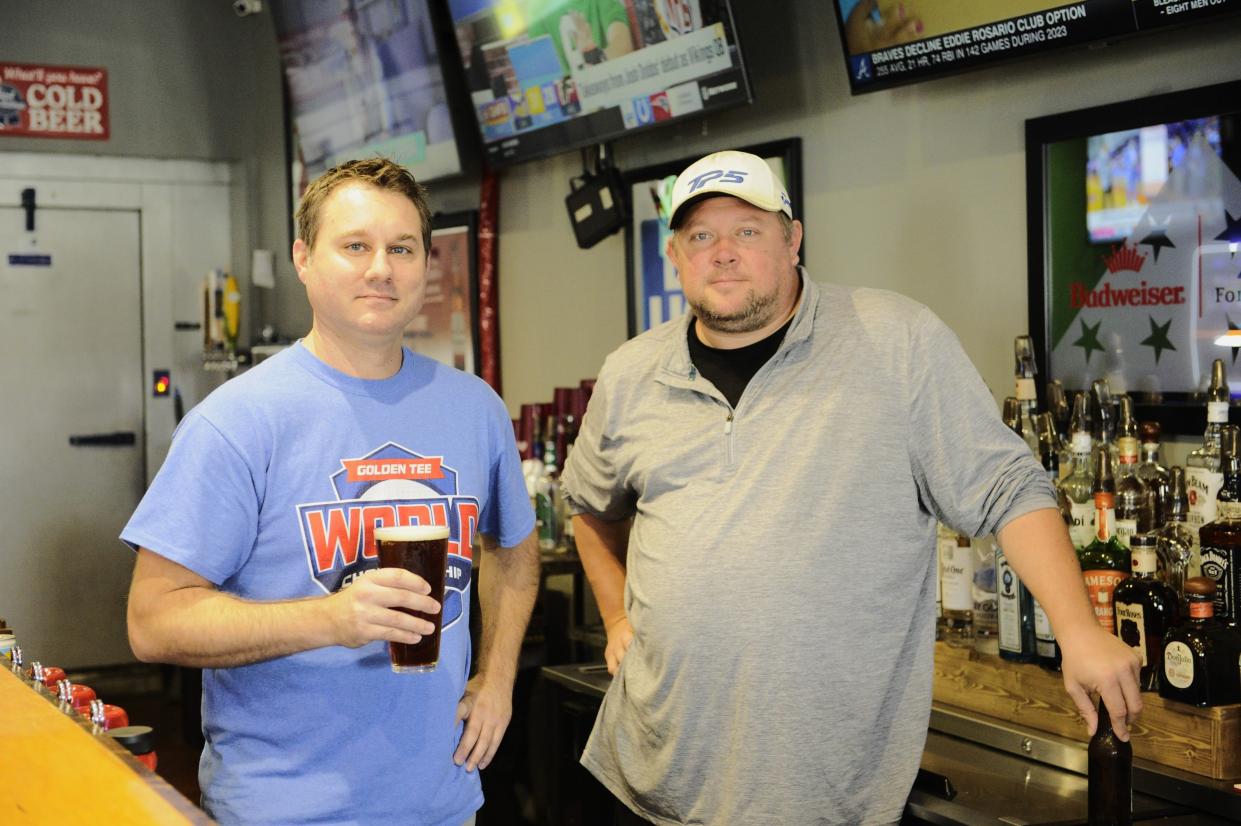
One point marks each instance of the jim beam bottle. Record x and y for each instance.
(1203, 476)
(1176, 541)
(1078, 485)
(1135, 505)
(1109, 774)
(956, 560)
(1200, 656)
(1146, 608)
(1105, 561)
(1221, 539)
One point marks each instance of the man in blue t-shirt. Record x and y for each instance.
(256, 557)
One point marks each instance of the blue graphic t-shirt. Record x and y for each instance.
(272, 489)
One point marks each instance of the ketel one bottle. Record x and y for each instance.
(1146, 608)
(956, 561)
(1078, 485)
(1221, 539)
(1105, 562)
(1202, 468)
(1200, 654)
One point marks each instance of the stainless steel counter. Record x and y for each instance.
(1003, 774)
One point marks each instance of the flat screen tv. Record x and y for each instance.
(892, 42)
(363, 78)
(1152, 306)
(546, 76)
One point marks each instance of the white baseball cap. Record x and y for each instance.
(734, 173)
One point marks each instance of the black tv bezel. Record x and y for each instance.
(1002, 59)
(468, 112)
(1178, 413)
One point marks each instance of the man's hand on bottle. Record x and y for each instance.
(620, 635)
(1098, 663)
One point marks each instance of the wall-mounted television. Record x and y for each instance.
(546, 76)
(892, 42)
(363, 78)
(1152, 307)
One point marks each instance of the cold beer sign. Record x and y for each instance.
(53, 102)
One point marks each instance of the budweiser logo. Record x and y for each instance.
(1125, 259)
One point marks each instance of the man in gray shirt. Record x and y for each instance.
(756, 487)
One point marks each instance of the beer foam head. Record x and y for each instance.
(411, 533)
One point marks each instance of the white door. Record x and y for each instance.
(70, 367)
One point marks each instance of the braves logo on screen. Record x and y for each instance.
(389, 486)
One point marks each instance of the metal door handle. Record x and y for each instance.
(117, 439)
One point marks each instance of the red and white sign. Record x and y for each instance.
(53, 102)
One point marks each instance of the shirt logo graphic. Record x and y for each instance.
(390, 486)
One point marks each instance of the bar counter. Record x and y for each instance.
(54, 769)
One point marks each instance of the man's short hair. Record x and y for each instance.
(381, 173)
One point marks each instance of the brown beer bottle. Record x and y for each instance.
(1109, 775)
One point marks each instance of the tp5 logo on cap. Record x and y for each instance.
(724, 176)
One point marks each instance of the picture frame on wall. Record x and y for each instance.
(446, 328)
(653, 289)
(1134, 228)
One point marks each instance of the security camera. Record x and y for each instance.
(245, 8)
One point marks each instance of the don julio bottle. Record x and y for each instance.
(1200, 655)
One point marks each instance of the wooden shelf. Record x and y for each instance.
(1205, 741)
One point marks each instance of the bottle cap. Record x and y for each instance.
(1200, 586)
(1149, 432)
(137, 739)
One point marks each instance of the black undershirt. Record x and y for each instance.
(731, 370)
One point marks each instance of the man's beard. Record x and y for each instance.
(755, 314)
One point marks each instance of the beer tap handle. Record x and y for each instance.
(97, 715)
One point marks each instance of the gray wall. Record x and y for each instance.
(919, 189)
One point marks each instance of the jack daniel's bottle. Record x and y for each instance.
(1203, 476)
(1221, 539)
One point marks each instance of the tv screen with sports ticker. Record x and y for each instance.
(893, 42)
(546, 76)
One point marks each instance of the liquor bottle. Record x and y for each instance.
(1026, 392)
(1176, 541)
(1104, 409)
(1200, 654)
(1220, 539)
(546, 497)
(1135, 506)
(956, 559)
(1146, 607)
(1014, 604)
(1202, 467)
(1045, 645)
(1151, 471)
(986, 611)
(1109, 774)
(1105, 561)
(1058, 407)
(1078, 485)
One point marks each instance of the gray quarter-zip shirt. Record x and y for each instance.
(781, 567)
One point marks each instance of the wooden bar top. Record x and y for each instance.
(53, 769)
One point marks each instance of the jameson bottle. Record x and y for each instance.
(1202, 469)
(1109, 775)
(1105, 561)
(1078, 484)
(1221, 539)
(1146, 608)
(1151, 471)
(1135, 505)
(1200, 654)
(1176, 542)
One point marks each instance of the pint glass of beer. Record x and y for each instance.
(422, 550)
